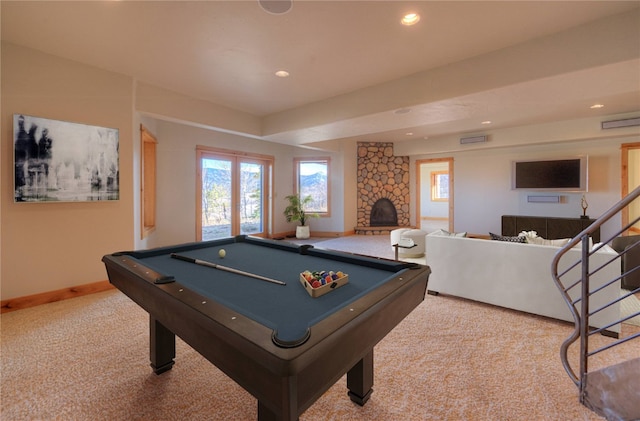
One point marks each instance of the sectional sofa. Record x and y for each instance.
(516, 276)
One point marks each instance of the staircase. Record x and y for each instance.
(613, 391)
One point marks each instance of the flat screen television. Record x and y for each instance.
(566, 174)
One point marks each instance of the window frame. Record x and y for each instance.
(148, 181)
(296, 176)
(436, 186)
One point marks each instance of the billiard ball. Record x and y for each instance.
(222, 253)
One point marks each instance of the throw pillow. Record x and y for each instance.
(529, 234)
(603, 247)
(544, 242)
(516, 239)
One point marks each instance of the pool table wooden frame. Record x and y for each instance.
(286, 381)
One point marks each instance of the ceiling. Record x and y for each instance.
(346, 59)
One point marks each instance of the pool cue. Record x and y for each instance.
(225, 268)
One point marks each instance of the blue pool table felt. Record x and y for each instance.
(288, 310)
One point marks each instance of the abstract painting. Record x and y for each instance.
(59, 161)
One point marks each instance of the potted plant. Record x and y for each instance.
(296, 212)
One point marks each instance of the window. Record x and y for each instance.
(312, 179)
(148, 181)
(439, 186)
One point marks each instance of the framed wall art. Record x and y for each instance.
(59, 161)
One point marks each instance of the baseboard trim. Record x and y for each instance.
(331, 234)
(19, 303)
(323, 234)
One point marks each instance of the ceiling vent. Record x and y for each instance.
(616, 124)
(473, 139)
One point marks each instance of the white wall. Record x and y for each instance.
(151, 125)
(335, 222)
(52, 246)
(488, 187)
(176, 175)
(429, 208)
(176, 180)
(482, 182)
(343, 184)
(350, 183)
(634, 181)
(39, 241)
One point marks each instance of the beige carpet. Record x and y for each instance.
(451, 359)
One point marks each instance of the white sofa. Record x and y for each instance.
(516, 276)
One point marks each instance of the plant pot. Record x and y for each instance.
(302, 232)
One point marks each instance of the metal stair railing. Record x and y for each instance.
(581, 311)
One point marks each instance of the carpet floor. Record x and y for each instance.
(451, 359)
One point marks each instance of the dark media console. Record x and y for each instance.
(550, 228)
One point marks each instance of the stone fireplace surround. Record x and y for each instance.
(381, 175)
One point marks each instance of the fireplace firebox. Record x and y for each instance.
(383, 214)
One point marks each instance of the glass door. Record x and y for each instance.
(233, 198)
(216, 215)
(251, 205)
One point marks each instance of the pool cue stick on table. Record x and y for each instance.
(225, 268)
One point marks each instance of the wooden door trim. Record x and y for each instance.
(418, 163)
(624, 176)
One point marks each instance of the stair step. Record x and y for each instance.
(614, 392)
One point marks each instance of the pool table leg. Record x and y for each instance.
(162, 346)
(360, 380)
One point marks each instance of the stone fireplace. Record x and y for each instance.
(383, 189)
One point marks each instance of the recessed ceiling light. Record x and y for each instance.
(486, 122)
(409, 133)
(595, 106)
(410, 19)
(276, 7)
(282, 73)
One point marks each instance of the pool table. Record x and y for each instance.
(282, 345)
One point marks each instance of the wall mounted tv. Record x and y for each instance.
(567, 174)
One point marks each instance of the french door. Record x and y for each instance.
(233, 190)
